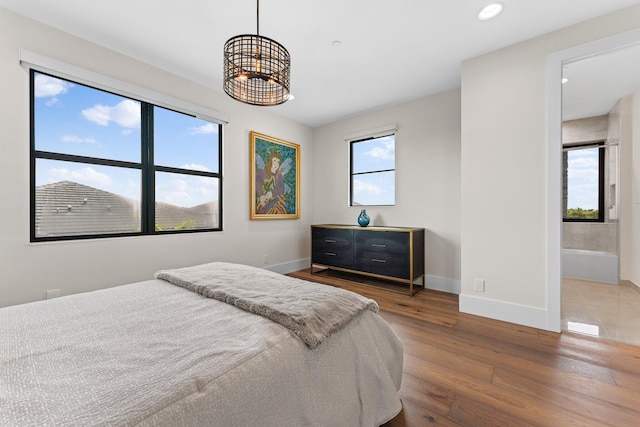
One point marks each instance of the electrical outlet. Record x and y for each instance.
(478, 285)
(265, 259)
(52, 293)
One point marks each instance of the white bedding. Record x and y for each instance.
(154, 354)
(310, 310)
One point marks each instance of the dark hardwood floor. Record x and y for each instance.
(464, 370)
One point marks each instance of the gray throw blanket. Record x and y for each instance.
(312, 311)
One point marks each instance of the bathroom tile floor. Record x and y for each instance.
(603, 310)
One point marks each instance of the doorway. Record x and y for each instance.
(599, 92)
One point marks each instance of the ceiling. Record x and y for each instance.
(390, 52)
(595, 84)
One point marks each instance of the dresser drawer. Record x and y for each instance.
(332, 247)
(384, 253)
(397, 267)
(382, 241)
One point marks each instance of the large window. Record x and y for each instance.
(105, 165)
(373, 171)
(583, 189)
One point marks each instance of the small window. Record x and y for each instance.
(105, 165)
(583, 176)
(373, 171)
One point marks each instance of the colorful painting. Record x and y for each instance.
(275, 178)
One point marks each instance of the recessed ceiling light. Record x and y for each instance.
(490, 11)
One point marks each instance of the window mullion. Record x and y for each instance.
(373, 171)
(84, 159)
(148, 173)
(183, 171)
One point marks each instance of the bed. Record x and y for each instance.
(157, 353)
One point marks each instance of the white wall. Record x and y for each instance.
(505, 170)
(28, 270)
(625, 122)
(631, 228)
(427, 178)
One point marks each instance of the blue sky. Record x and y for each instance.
(582, 178)
(372, 155)
(74, 119)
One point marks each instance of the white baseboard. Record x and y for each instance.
(437, 283)
(629, 283)
(507, 312)
(290, 266)
(499, 310)
(444, 284)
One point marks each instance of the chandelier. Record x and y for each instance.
(257, 69)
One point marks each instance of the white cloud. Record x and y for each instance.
(126, 113)
(385, 152)
(582, 196)
(45, 86)
(130, 188)
(360, 187)
(186, 190)
(77, 139)
(373, 191)
(381, 153)
(204, 129)
(582, 174)
(584, 188)
(87, 176)
(583, 163)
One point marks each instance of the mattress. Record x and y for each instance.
(155, 354)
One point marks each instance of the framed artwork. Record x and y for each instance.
(275, 178)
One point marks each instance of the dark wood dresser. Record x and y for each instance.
(391, 253)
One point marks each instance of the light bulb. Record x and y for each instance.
(490, 11)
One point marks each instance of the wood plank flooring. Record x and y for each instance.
(464, 370)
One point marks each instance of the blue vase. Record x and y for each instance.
(363, 218)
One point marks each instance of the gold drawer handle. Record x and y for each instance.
(330, 253)
(378, 260)
(329, 241)
(377, 245)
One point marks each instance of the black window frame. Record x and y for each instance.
(146, 166)
(352, 174)
(601, 179)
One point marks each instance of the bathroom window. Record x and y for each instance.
(373, 171)
(583, 182)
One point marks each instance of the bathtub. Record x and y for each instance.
(590, 265)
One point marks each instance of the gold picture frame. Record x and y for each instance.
(275, 178)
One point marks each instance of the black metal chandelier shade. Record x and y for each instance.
(257, 69)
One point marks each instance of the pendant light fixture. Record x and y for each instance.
(257, 69)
